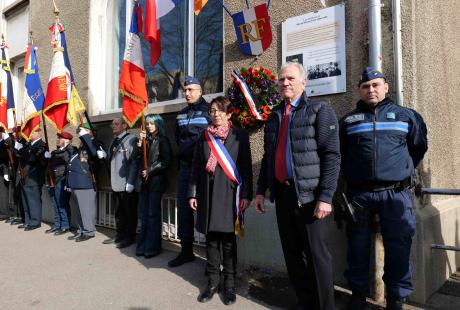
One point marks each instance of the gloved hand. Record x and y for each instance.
(83, 131)
(129, 187)
(18, 145)
(101, 154)
(47, 154)
(6, 177)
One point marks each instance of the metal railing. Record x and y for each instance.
(170, 226)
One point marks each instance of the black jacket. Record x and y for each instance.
(314, 147)
(381, 144)
(190, 122)
(59, 161)
(32, 156)
(159, 156)
(223, 193)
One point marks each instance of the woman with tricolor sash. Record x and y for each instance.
(154, 184)
(220, 190)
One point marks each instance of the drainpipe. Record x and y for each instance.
(397, 51)
(375, 60)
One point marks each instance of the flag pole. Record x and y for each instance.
(144, 144)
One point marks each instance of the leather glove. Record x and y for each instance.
(18, 145)
(83, 131)
(47, 154)
(101, 154)
(6, 177)
(129, 187)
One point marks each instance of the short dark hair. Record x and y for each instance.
(223, 103)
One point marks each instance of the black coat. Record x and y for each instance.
(222, 198)
(32, 156)
(158, 161)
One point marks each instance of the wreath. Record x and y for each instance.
(263, 92)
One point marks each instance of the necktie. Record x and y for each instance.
(280, 155)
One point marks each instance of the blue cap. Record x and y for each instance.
(189, 80)
(370, 73)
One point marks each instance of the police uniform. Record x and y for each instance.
(83, 193)
(190, 122)
(381, 147)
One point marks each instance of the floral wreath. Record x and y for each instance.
(262, 87)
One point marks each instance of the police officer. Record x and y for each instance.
(381, 145)
(34, 177)
(58, 160)
(80, 181)
(190, 122)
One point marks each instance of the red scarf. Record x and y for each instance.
(221, 133)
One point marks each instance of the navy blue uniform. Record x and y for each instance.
(190, 122)
(380, 149)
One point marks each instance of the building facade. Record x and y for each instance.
(205, 46)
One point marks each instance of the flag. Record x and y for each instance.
(199, 5)
(7, 107)
(33, 94)
(62, 102)
(132, 77)
(155, 9)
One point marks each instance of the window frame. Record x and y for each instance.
(103, 112)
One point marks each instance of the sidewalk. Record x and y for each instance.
(39, 271)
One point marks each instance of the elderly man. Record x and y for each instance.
(300, 166)
(381, 145)
(123, 174)
(301, 137)
(58, 160)
(32, 156)
(190, 122)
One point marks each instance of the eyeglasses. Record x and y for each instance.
(215, 111)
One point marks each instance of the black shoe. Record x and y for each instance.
(22, 226)
(31, 227)
(229, 296)
(139, 254)
(83, 238)
(61, 232)
(124, 244)
(182, 258)
(208, 293)
(395, 304)
(152, 255)
(16, 222)
(357, 302)
(51, 230)
(73, 237)
(109, 241)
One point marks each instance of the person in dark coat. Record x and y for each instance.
(154, 184)
(58, 160)
(32, 155)
(213, 194)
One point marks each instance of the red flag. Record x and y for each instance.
(152, 31)
(132, 77)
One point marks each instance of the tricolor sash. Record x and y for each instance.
(228, 165)
(247, 95)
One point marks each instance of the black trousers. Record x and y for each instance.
(221, 247)
(304, 242)
(126, 215)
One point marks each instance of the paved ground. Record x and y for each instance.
(39, 271)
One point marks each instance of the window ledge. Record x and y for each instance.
(166, 107)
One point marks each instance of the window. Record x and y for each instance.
(190, 45)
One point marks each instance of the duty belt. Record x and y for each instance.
(380, 186)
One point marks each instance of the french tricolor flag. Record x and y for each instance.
(132, 76)
(7, 107)
(156, 9)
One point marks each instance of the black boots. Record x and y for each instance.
(186, 255)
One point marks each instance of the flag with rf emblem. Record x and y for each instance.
(253, 29)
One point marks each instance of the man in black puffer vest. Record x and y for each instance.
(301, 137)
